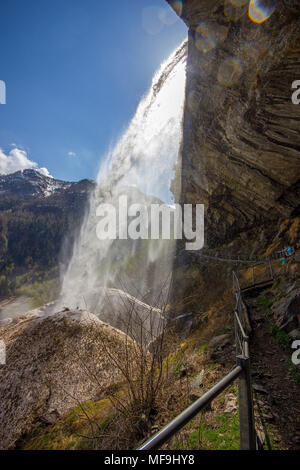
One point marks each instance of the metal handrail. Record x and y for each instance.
(238, 260)
(238, 315)
(236, 283)
(240, 325)
(270, 268)
(248, 436)
(174, 426)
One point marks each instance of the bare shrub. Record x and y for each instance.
(141, 363)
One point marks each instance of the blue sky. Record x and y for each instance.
(75, 71)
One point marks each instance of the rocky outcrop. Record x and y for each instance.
(54, 363)
(286, 312)
(140, 321)
(241, 143)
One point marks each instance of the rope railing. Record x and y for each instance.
(238, 259)
(243, 258)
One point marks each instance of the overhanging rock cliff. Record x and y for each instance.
(241, 142)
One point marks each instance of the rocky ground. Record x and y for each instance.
(50, 352)
(276, 381)
(54, 362)
(274, 319)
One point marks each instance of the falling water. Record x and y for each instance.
(141, 165)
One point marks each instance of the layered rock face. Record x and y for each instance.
(240, 153)
(241, 140)
(54, 363)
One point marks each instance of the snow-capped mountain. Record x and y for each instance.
(32, 183)
(37, 215)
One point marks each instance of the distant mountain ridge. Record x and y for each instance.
(39, 218)
(31, 190)
(32, 183)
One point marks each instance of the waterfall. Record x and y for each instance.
(140, 165)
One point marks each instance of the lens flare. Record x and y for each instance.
(230, 71)
(204, 37)
(234, 10)
(239, 3)
(209, 35)
(214, 99)
(177, 5)
(250, 52)
(167, 16)
(151, 21)
(192, 102)
(261, 10)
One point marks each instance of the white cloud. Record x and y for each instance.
(72, 154)
(16, 160)
(44, 172)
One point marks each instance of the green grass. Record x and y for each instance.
(40, 292)
(178, 369)
(72, 431)
(224, 435)
(212, 366)
(264, 303)
(282, 338)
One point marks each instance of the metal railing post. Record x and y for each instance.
(246, 345)
(189, 413)
(247, 429)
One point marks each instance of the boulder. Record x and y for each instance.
(197, 382)
(220, 341)
(230, 403)
(185, 324)
(196, 386)
(286, 311)
(259, 389)
(54, 363)
(295, 334)
(141, 321)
